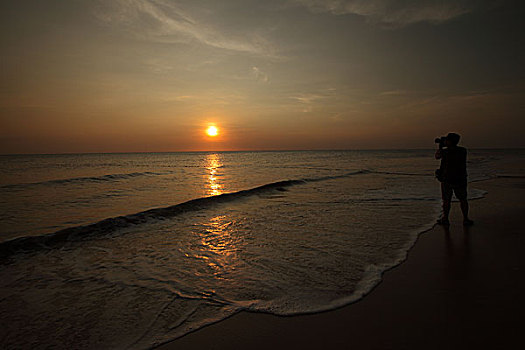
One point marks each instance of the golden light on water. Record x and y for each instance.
(219, 246)
(212, 131)
(213, 163)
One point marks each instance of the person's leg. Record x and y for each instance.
(464, 208)
(461, 194)
(446, 195)
(446, 210)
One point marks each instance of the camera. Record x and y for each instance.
(440, 141)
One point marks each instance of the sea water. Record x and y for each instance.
(134, 250)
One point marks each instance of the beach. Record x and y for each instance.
(458, 289)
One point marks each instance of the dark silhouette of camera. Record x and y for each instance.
(440, 141)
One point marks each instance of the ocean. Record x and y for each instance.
(135, 250)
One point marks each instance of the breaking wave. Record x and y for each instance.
(56, 239)
(29, 244)
(95, 179)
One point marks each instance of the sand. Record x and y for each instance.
(459, 289)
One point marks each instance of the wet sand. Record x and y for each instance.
(460, 288)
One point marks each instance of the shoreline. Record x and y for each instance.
(446, 294)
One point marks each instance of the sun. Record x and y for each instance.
(212, 131)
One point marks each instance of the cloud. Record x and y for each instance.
(168, 22)
(396, 13)
(393, 93)
(307, 98)
(307, 101)
(260, 75)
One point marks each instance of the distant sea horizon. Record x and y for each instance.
(263, 150)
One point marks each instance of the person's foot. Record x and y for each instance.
(443, 221)
(468, 222)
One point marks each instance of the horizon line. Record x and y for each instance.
(261, 150)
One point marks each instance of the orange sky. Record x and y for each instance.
(128, 76)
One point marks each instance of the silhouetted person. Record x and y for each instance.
(453, 176)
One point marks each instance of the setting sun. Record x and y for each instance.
(212, 131)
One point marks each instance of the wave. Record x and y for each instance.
(59, 238)
(334, 177)
(481, 178)
(399, 199)
(106, 226)
(402, 174)
(510, 176)
(102, 178)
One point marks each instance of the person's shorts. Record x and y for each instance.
(460, 190)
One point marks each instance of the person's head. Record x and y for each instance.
(452, 139)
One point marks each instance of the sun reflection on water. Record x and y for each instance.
(213, 163)
(218, 246)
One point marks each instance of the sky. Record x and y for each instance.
(152, 75)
